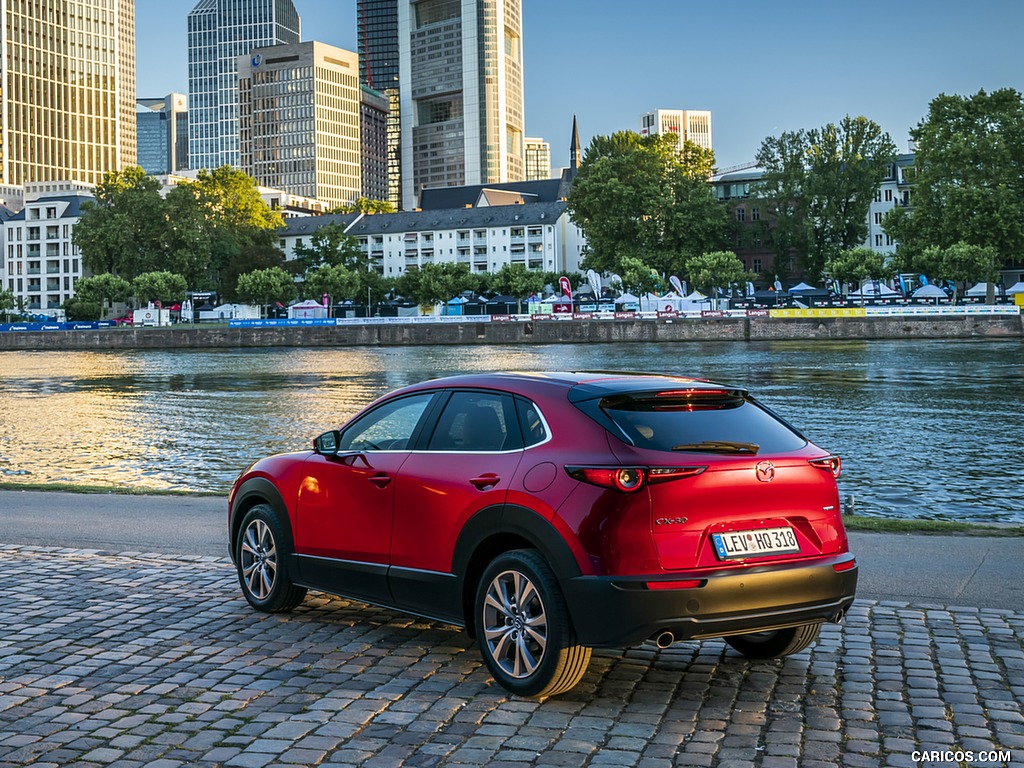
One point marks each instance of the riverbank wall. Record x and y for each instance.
(471, 331)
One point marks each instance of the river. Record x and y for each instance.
(926, 429)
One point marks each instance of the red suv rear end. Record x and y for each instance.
(554, 513)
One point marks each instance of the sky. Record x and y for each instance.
(761, 68)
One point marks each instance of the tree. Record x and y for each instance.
(856, 264)
(637, 277)
(76, 308)
(331, 246)
(224, 207)
(335, 280)
(438, 283)
(165, 287)
(818, 186)
(262, 286)
(6, 302)
(365, 205)
(516, 280)
(718, 269)
(959, 263)
(101, 290)
(969, 186)
(645, 197)
(120, 233)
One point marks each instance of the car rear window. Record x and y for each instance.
(697, 421)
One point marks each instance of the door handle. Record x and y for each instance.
(380, 480)
(485, 481)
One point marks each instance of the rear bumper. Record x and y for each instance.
(619, 611)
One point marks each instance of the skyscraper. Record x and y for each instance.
(67, 89)
(377, 22)
(219, 31)
(162, 136)
(538, 159)
(461, 83)
(688, 124)
(299, 120)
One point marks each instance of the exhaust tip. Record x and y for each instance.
(665, 639)
(839, 617)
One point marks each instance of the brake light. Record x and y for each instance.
(630, 479)
(831, 464)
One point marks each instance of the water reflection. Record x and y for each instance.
(925, 428)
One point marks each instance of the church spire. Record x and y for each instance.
(574, 148)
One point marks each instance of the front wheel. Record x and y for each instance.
(776, 643)
(523, 626)
(261, 557)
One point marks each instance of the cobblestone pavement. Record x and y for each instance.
(136, 660)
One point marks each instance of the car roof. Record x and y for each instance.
(582, 385)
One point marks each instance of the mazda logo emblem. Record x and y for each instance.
(765, 471)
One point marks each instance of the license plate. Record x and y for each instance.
(756, 543)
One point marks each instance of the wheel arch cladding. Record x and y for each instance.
(502, 528)
(255, 491)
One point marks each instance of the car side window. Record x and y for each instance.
(476, 422)
(531, 422)
(389, 427)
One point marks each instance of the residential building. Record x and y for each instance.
(162, 131)
(289, 205)
(461, 83)
(893, 191)
(67, 91)
(41, 263)
(219, 32)
(377, 23)
(688, 124)
(373, 143)
(538, 159)
(299, 120)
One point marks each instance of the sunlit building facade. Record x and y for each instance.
(538, 159)
(67, 86)
(300, 120)
(461, 83)
(688, 124)
(41, 263)
(219, 32)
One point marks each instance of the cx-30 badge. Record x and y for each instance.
(765, 471)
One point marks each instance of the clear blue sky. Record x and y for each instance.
(761, 68)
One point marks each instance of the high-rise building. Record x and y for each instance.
(538, 159)
(377, 22)
(373, 142)
(162, 131)
(219, 32)
(67, 87)
(688, 124)
(461, 82)
(299, 120)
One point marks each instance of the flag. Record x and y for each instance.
(563, 281)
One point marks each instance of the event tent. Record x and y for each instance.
(874, 289)
(1016, 288)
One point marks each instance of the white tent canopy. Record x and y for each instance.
(802, 287)
(981, 289)
(1016, 288)
(874, 289)
(929, 292)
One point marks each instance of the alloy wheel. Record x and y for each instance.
(259, 559)
(515, 624)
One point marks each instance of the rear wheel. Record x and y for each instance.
(523, 626)
(775, 643)
(261, 558)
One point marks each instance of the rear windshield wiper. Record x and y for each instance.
(718, 446)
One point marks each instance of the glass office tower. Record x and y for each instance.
(377, 22)
(219, 31)
(67, 84)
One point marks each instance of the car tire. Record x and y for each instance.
(523, 627)
(775, 643)
(262, 561)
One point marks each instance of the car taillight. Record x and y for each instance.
(831, 464)
(630, 479)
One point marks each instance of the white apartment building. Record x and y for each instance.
(893, 191)
(461, 84)
(688, 124)
(40, 263)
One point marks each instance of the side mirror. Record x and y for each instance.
(327, 443)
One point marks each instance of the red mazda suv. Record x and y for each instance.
(552, 513)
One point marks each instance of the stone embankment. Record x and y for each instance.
(533, 332)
